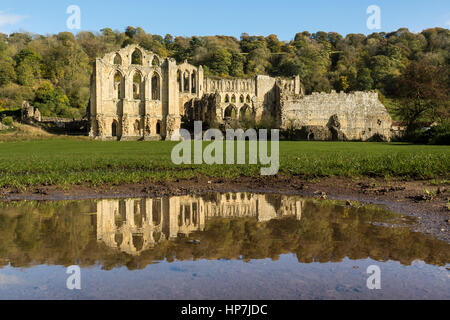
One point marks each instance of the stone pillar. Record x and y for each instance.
(37, 115)
(172, 118)
(147, 92)
(173, 92)
(125, 126)
(189, 82)
(297, 85)
(200, 84)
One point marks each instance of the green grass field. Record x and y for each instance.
(72, 161)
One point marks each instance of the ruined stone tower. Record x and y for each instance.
(134, 95)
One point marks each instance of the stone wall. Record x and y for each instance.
(358, 115)
(31, 115)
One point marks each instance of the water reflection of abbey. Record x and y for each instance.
(134, 225)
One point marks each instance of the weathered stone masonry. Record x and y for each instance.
(355, 116)
(136, 95)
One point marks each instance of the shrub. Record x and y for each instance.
(51, 101)
(7, 121)
(439, 135)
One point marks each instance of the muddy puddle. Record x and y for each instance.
(216, 246)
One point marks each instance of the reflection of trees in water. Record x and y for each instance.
(61, 233)
(53, 233)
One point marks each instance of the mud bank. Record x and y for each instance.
(427, 202)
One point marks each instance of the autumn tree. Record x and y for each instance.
(7, 72)
(424, 89)
(28, 67)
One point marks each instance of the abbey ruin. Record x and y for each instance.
(135, 225)
(136, 95)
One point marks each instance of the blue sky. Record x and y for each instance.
(231, 17)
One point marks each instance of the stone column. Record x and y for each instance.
(200, 85)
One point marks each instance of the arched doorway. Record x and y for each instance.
(186, 81)
(114, 129)
(155, 61)
(117, 59)
(136, 57)
(156, 87)
(245, 113)
(118, 238)
(137, 86)
(118, 86)
(138, 242)
(158, 127)
(230, 112)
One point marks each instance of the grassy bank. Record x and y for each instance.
(70, 161)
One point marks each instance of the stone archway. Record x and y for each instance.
(186, 81)
(118, 85)
(117, 59)
(136, 57)
(158, 127)
(230, 112)
(115, 129)
(138, 86)
(156, 87)
(245, 113)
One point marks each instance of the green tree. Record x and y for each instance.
(258, 60)
(425, 92)
(220, 61)
(130, 32)
(51, 101)
(168, 39)
(28, 66)
(289, 66)
(7, 72)
(364, 81)
(273, 44)
(343, 84)
(236, 68)
(384, 71)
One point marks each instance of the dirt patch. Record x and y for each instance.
(428, 203)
